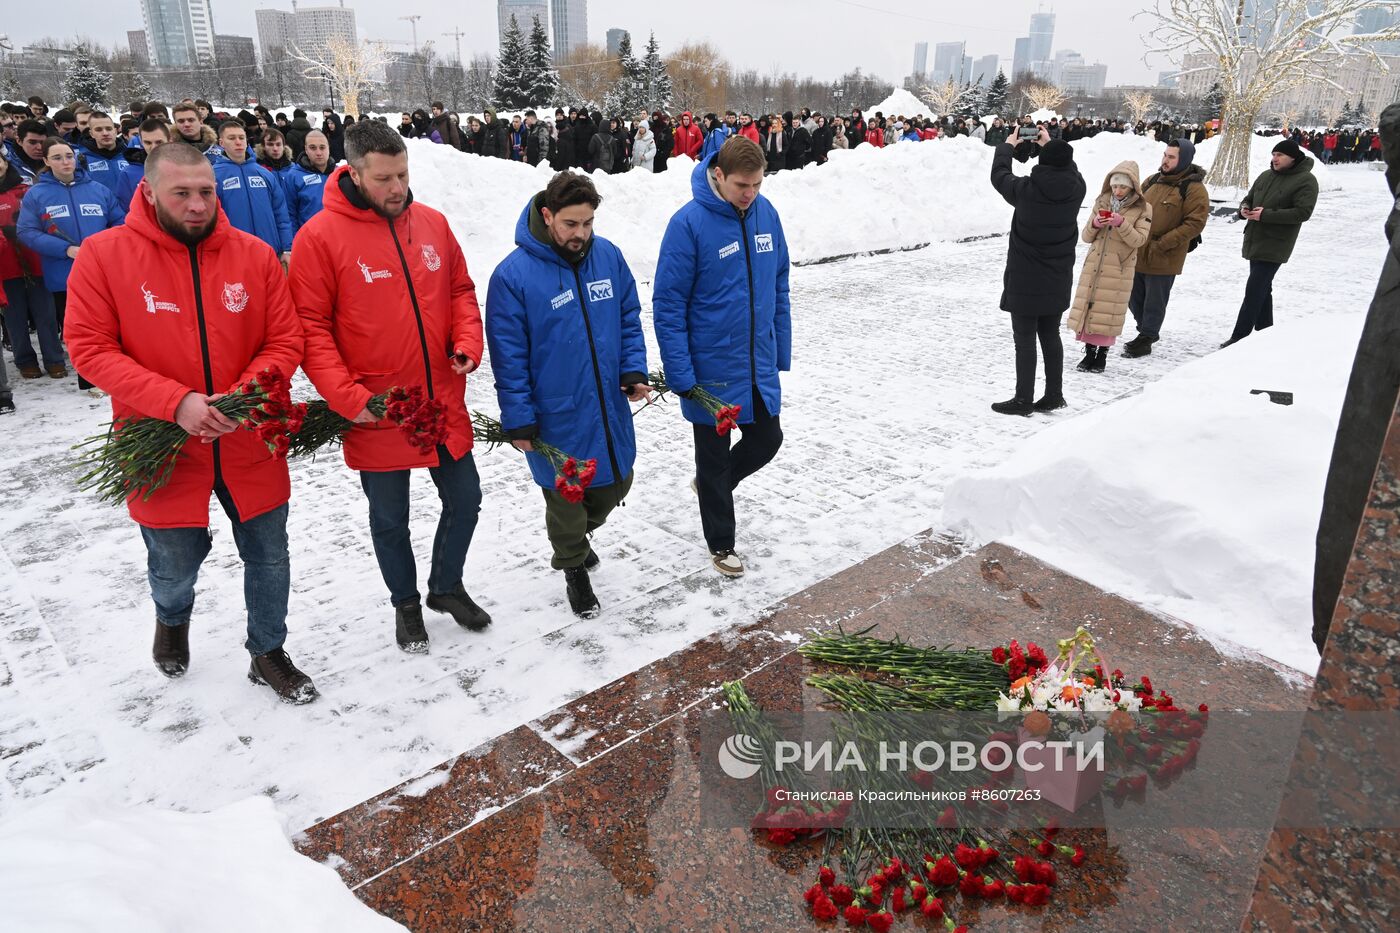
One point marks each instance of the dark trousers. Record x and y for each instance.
(570, 523)
(30, 302)
(1027, 328)
(459, 488)
(1257, 309)
(1148, 302)
(720, 468)
(174, 556)
(60, 303)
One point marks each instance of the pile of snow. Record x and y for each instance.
(73, 864)
(1195, 498)
(1044, 115)
(900, 103)
(863, 200)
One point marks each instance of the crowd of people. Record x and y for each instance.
(179, 252)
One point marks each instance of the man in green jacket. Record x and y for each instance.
(1278, 204)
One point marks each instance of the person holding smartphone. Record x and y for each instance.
(564, 326)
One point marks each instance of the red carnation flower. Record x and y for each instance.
(1044, 847)
(855, 915)
(881, 922)
(1078, 857)
(842, 895)
(948, 819)
(1045, 873)
(919, 892)
(944, 873)
(932, 908)
(826, 876)
(812, 893)
(994, 889)
(999, 655)
(824, 909)
(971, 885)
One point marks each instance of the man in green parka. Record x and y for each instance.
(1278, 204)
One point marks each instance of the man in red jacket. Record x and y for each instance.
(167, 314)
(689, 139)
(385, 300)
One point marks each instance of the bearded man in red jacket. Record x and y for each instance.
(385, 300)
(166, 314)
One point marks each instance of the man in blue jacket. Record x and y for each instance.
(723, 323)
(305, 179)
(102, 152)
(719, 135)
(153, 133)
(564, 326)
(252, 197)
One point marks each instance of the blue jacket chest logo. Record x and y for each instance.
(232, 182)
(90, 210)
(558, 301)
(763, 242)
(601, 290)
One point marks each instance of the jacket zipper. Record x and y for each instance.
(417, 312)
(753, 315)
(204, 350)
(77, 220)
(597, 376)
(248, 196)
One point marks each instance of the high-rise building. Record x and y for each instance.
(1042, 36)
(984, 71)
(1081, 79)
(1063, 59)
(1021, 61)
(920, 60)
(1168, 79)
(234, 51)
(615, 41)
(1376, 20)
(307, 29)
(524, 11)
(948, 63)
(136, 44)
(570, 18)
(179, 33)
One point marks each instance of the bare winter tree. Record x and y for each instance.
(1044, 97)
(349, 67)
(1279, 46)
(946, 98)
(1139, 104)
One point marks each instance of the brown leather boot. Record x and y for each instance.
(172, 649)
(277, 671)
(57, 371)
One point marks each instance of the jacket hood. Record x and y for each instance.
(342, 197)
(704, 192)
(532, 235)
(1058, 183)
(1126, 167)
(80, 175)
(686, 117)
(301, 123)
(141, 219)
(490, 114)
(304, 162)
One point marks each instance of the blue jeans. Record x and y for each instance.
(32, 302)
(174, 555)
(459, 488)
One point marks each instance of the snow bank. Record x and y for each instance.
(863, 200)
(1195, 498)
(900, 103)
(70, 864)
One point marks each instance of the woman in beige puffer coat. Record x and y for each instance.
(1120, 222)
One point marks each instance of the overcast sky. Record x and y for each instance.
(821, 38)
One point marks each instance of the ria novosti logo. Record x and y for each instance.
(740, 756)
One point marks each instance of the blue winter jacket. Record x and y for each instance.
(303, 186)
(564, 339)
(717, 138)
(720, 304)
(76, 210)
(129, 181)
(254, 201)
(12, 155)
(106, 170)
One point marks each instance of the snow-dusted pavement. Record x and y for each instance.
(896, 359)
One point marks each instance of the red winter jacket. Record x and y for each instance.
(137, 328)
(384, 303)
(751, 131)
(15, 259)
(876, 137)
(689, 139)
(1329, 141)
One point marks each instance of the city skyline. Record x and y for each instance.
(884, 48)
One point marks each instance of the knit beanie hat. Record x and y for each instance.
(1057, 154)
(1289, 148)
(1118, 178)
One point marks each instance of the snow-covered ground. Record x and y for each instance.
(896, 358)
(1195, 497)
(72, 863)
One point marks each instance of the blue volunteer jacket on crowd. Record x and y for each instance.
(720, 304)
(564, 339)
(303, 186)
(76, 211)
(254, 200)
(128, 182)
(717, 138)
(12, 155)
(106, 170)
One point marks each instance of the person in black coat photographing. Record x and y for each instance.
(1039, 278)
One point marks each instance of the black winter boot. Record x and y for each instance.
(172, 649)
(1050, 403)
(460, 606)
(1140, 345)
(277, 671)
(1087, 363)
(1014, 406)
(408, 628)
(580, 592)
(1101, 359)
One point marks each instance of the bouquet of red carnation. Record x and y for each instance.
(726, 416)
(572, 476)
(422, 420)
(138, 455)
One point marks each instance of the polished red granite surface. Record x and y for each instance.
(1347, 879)
(611, 836)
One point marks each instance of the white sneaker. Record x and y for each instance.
(95, 392)
(727, 563)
